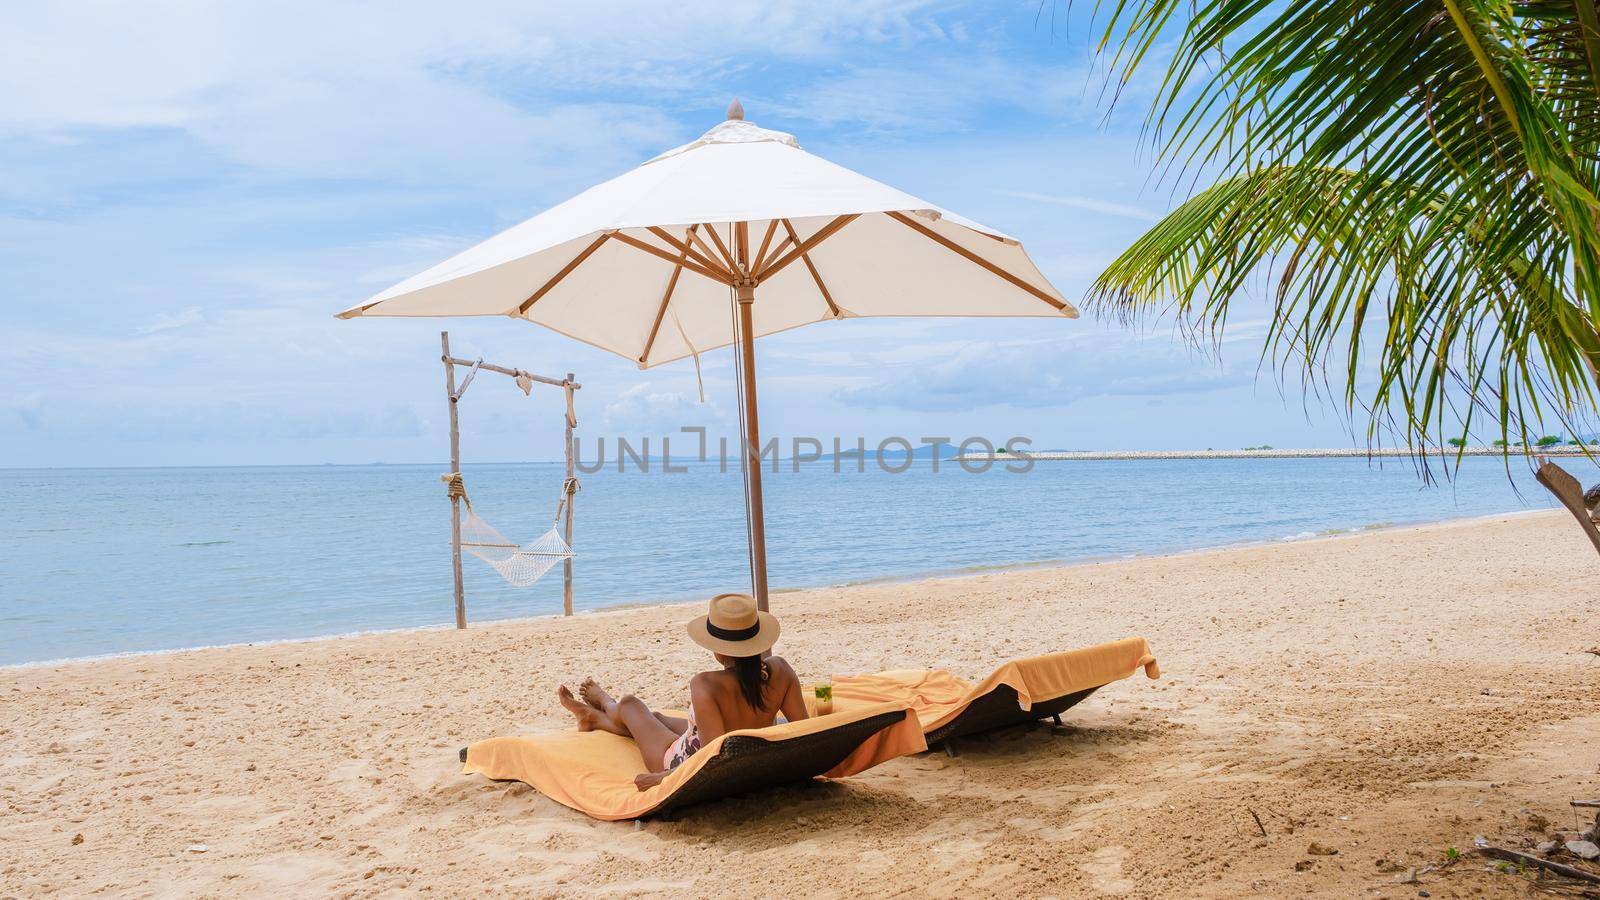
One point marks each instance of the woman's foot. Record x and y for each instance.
(589, 718)
(596, 696)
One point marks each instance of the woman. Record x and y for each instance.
(749, 691)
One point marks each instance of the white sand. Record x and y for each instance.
(1385, 695)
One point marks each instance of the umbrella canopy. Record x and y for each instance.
(735, 235)
(642, 265)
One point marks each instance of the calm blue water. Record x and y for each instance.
(97, 561)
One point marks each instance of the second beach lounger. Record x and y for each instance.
(1018, 692)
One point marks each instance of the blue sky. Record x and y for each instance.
(188, 192)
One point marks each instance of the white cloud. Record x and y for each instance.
(1041, 374)
(939, 96)
(646, 410)
(184, 318)
(1089, 203)
(406, 88)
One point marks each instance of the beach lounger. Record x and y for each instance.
(1019, 692)
(593, 771)
(1567, 490)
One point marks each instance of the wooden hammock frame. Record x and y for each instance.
(454, 394)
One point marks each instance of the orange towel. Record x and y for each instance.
(939, 696)
(593, 771)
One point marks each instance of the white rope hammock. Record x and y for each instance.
(519, 564)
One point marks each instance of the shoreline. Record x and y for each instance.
(938, 575)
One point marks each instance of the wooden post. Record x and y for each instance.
(1569, 492)
(455, 466)
(745, 292)
(566, 564)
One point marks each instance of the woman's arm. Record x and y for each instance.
(793, 706)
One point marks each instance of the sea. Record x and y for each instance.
(97, 562)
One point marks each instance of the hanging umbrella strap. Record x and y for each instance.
(700, 382)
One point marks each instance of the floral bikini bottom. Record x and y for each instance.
(684, 747)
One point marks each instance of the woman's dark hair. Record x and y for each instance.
(751, 673)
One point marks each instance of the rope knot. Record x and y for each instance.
(455, 487)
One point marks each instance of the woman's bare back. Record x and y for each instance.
(720, 707)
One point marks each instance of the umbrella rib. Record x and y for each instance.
(722, 248)
(777, 251)
(805, 246)
(974, 258)
(812, 267)
(761, 255)
(566, 270)
(687, 250)
(661, 313)
(653, 250)
(705, 248)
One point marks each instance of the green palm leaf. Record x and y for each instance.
(1417, 180)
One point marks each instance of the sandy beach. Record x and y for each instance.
(1383, 695)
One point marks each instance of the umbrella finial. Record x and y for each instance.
(735, 109)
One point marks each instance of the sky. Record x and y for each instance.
(190, 191)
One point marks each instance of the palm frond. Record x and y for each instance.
(1427, 172)
(1449, 319)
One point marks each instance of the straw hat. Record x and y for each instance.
(734, 627)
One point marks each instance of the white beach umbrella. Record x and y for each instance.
(732, 236)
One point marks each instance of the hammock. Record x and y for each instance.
(519, 564)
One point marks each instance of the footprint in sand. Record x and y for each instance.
(1106, 869)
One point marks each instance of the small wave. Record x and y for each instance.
(999, 567)
(204, 543)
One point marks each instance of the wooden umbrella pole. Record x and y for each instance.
(455, 466)
(566, 564)
(745, 293)
(752, 431)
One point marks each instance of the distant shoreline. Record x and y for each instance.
(1286, 453)
(1564, 450)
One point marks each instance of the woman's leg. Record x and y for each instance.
(596, 696)
(589, 718)
(648, 732)
(628, 717)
